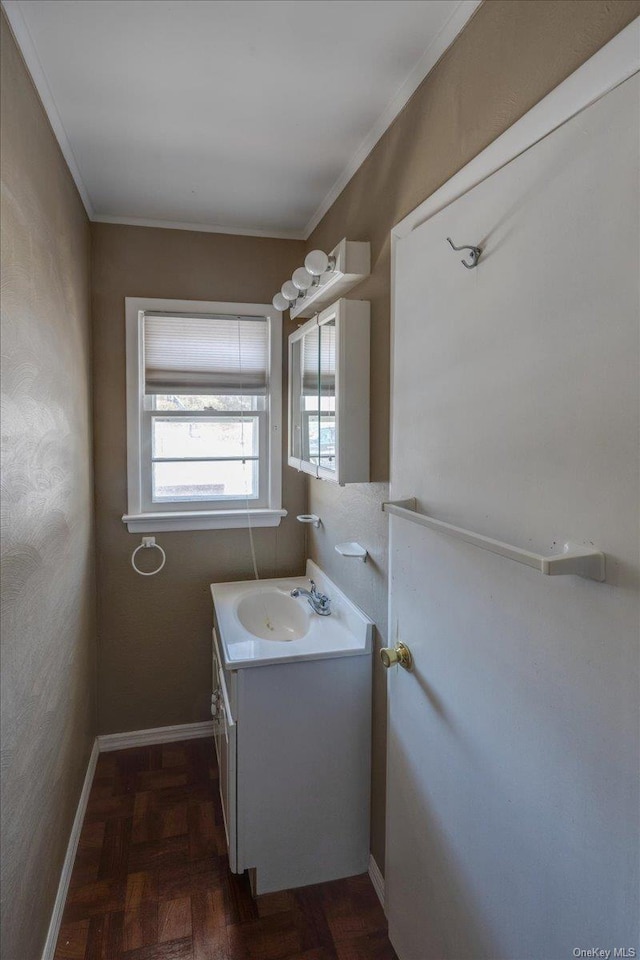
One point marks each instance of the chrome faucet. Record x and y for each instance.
(318, 602)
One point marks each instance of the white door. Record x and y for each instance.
(513, 744)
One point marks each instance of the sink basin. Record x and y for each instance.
(259, 623)
(273, 615)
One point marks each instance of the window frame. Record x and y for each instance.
(200, 504)
(144, 516)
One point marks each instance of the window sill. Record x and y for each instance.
(203, 520)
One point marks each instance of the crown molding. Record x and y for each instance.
(456, 22)
(28, 50)
(199, 227)
(454, 25)
(607, 68)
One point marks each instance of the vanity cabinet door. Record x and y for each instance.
(225, 741)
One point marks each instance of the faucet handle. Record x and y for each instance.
(321, 597)
(323, 603)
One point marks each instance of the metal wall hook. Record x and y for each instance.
(474, 255)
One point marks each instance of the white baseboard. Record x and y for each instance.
(103, 744)
(67, 866)
(143, 738)
(377, 879)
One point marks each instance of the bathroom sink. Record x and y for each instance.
(258, 622)
(273, 615)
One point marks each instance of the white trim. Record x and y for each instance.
(441, 42)
(200, 227)
(70, 856)
(607, 68)
(141, 514)
(375, 875)
(443, 39)
(202, 520)
(611, 65)
(105, 744)
(28, 50)
(142, 738)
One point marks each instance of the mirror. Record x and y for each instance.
(329, 394)
(310, 414)
(327, 391)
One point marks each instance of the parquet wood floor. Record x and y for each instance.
(151, 880)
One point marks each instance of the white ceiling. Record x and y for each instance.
(247, 116)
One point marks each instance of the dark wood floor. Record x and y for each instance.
(151, 879)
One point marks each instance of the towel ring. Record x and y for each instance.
(146, 543)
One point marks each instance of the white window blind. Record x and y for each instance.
(205, 354)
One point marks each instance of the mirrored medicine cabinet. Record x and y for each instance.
(329, 394)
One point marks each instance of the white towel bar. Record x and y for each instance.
(581, 561)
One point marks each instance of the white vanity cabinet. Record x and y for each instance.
(329, 394)
(293, 742)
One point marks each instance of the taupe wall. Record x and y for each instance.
(154, 650)
(510, 55)
(48, 629)
(155, 632)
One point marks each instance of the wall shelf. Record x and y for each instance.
(581, 561)
(353, 264)
(352, 549)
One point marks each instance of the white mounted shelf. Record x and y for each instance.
(353, 550)
(352, 264)
(581, 561)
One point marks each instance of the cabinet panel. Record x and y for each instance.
(304, 771)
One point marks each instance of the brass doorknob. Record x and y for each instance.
(398, 654)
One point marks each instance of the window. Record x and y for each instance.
(203, 415)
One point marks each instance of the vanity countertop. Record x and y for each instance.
(259, 623)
